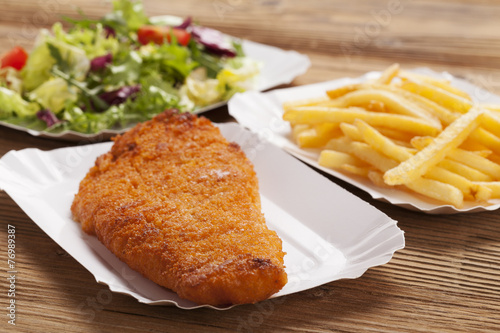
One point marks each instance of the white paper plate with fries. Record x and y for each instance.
(418, 139)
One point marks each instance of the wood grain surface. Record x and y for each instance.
(446, 279)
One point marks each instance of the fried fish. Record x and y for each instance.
(180, 204)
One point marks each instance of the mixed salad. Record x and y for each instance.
(119, 70)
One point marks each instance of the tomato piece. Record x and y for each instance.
(15, 58)
(160, 34)
(151, 33)
(181, 35)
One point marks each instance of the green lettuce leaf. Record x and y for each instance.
(126, 71)
(127, 16)
(54, 94)
(11, 103)
(151, 101)
(40, 62)
(37, 68)
(89, 122)
(92, 41)
(201, 90)
(172, 61)
(238, 75)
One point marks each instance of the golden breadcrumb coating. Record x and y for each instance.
(180, 204)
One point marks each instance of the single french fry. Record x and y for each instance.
(483, 193)
(420, 142)
(448, 87)
(445, 115)
(356, 170)
(492, 107)
(475, 161)
(468, 188)
(397, 135)
(494, 158)
(333, 103)
(305, 102)
(440, 83)
(427, 187)
(329, 129)
(318, 136)
(473, 145)
(316, 115)
(491, 122)
(310, 139)
(388, 74)
(366, 153)
(419, 76)
(392, 102)
(335, 159)
(483, 153)
(342, 144)
(351, 131)
(442, 97)
(341, 91)
(486, 138)
(495, 108)
(381, 143)
(437, 190)
(299, 128)
(375, 106)
(377, 179)
(464, 171)
(451, 137)
(493, 186)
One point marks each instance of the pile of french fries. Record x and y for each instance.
(406, 131)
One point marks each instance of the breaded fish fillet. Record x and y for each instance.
(180, 204)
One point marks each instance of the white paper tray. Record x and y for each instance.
(262, 114)
(278, 67)
(328, 233)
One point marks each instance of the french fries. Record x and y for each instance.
(320, 114)
(451, 137)
(405, 131)
(391, 101)
(440, 96)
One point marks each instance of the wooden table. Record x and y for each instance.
(446, 279)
